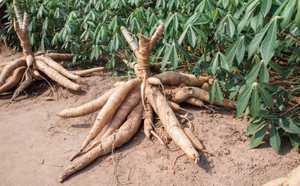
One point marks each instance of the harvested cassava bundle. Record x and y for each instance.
(292, 179)
(120, 113)
(20, 73)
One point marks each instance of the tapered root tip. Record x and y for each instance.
(75, 156)
(62, 114)
(77, 88)
(196, 160)
(62, 178)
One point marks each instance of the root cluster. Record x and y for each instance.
(20, 73)
(123, 108)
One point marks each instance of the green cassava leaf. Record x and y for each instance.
(237, 50)
(288, 12)
(243, 100)
(265, 7)
(192, 37)
(255, 105)
(240, 52)
(264, 75)
(266, 96)
(275, 140)
(215, 64)
(258, 138)
(224, 62)
(295, 140)
(268, 45)
(255, 126)
(297, 16)
(289, 126)
(254, 44)
(231, 26)
(217, 95)
(252, 76)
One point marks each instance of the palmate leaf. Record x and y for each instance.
(295, 140)
(255, 42)
(183, 35)
(255, 102)
(257, 22)
(288, 12)
(237, 50)
(258, 138)
(268, 45)
(225, 3)
(231, 26)
(220, 62)
(265, 95)
(240, 52)
(249, 11)
(171, 56)
(289, 126)
(297, 16)
(216, 94)
(243, 99)
(232, 52)
(224, 62)
(254, 126)
(215, 64)
(264, 75)
(115, 43)
(265, 7)
(252, 76)
(275, 140)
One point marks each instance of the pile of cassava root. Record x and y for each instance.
(124, 107)
(20, 73)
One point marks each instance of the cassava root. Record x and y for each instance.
(13, 76)
(171, 124)
(123, 135)
(146, 97)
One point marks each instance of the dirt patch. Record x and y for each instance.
(36, 144)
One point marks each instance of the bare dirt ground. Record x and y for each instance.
(35, 145)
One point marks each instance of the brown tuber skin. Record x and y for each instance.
(148, 120)
(177, 78)
(123, 135)
(87, 108)
(132, 100)
(56, 76)
(88, 72)
(9, 68)
(106, 113)
(13, 80)
(170, 122)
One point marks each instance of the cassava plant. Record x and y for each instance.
(19, 74)
(123, 107)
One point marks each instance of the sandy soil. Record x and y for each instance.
(35, 145)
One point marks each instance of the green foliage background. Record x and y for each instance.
(250, 46)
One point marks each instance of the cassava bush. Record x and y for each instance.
(251, 47)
